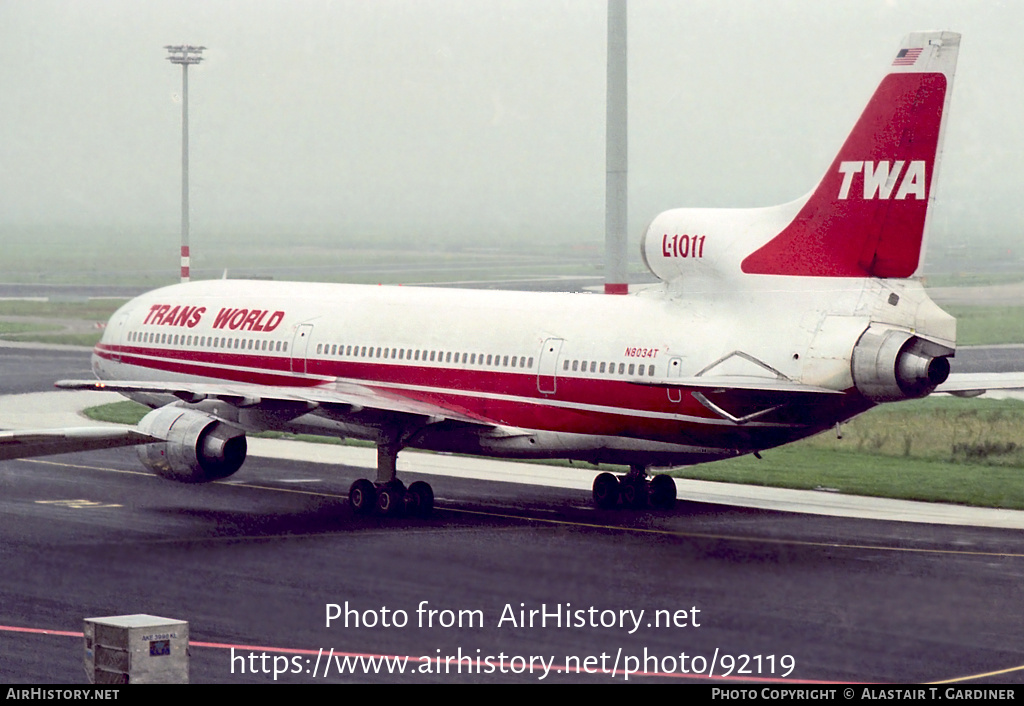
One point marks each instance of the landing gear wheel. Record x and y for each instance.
(606, 491)
(391, 498)
(661, 492)
(633, 492)
(419, 499)
(362, 497)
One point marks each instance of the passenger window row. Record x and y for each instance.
(604, 368)
(210, 342)
(384, 353)
(424, 356)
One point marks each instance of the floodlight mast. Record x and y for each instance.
(616, 148)
(184, 54)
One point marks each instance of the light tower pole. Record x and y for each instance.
(616, 148)
(184, 54)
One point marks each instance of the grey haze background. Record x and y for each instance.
(470, 119)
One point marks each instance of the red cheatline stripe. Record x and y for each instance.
(628, 407)
(610, 288)
(275, 369)
(40, 631)
(622, 408)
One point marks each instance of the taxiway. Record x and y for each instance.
(253, 564)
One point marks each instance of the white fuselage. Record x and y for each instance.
(543, 374)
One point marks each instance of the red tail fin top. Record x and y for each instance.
(866, 218)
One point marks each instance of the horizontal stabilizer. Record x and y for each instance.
(970, 384)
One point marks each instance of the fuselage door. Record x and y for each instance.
(675, 371)
(548, 365)
(300, 345)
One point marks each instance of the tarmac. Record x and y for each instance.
(47, 410)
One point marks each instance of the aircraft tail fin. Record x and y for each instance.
(866, 218)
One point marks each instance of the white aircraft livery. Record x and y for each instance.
(769, 325)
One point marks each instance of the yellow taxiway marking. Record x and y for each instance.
(957, 679)
(592, 525)
(589, 525)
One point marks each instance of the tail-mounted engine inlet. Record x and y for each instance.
(890, 365)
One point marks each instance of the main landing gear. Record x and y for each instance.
(634, 490)
(388, 495)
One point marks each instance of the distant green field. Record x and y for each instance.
(941, 449)
(91, 310)
(149, 257)
(81, 318)
(981, 325)
(16, 330)
(850, 472)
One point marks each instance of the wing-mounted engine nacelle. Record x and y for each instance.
(198, 448)
(890, 365)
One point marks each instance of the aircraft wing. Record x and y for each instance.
(43, 442)
(342, 396)
(971, 384)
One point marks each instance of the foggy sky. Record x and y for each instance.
(479, 118)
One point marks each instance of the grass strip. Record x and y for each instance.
(987, 325)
